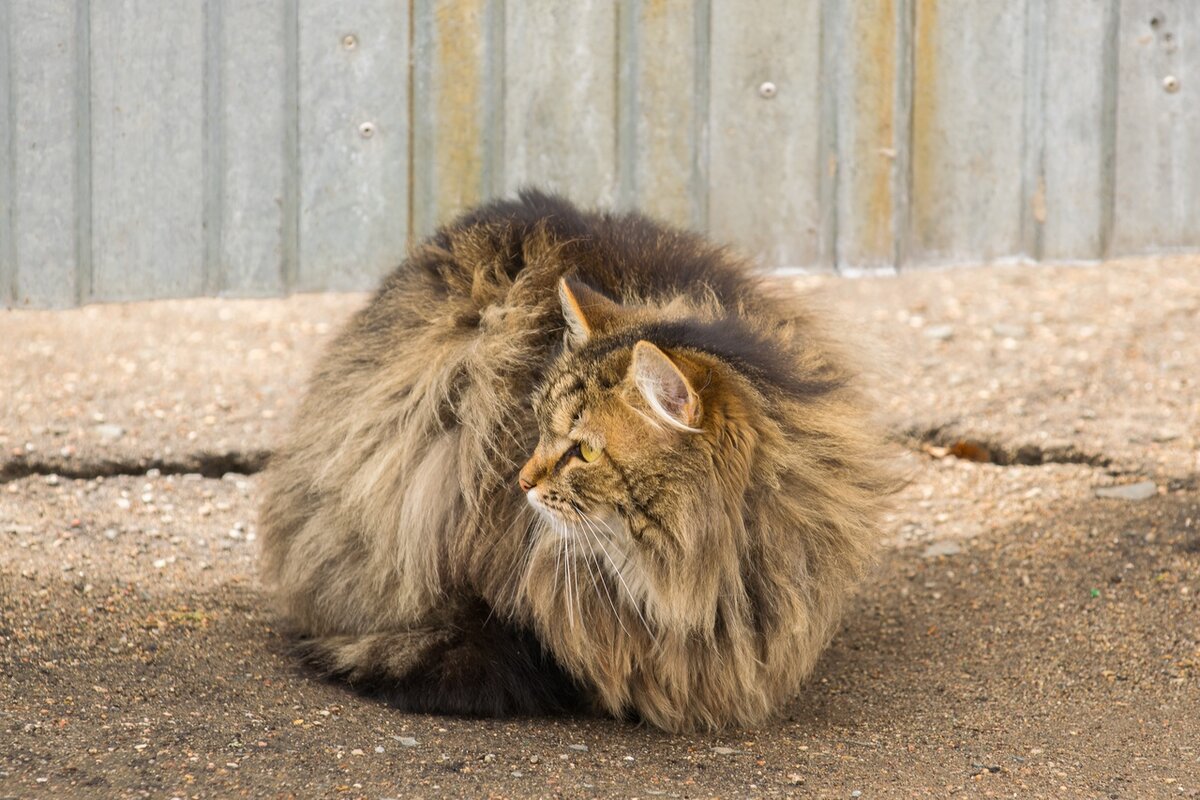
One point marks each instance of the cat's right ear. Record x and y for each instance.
(585, 310)
(665, 388)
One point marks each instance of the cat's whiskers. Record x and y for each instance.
(558, 563)
(595, 537)
(520, 575)
(562, 534)
(587, 559)
(617, 571)
(574, 544)
(522, 563)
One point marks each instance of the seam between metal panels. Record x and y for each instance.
(1108, 128)
(500, 98)
(902, 169)
(493, 177)
(423, 167)
(409, 232)
(829, 49)
(8, 161)
(289, 262)
(214, 148)
(84, 276)
(703, 98)
(625, 75)
(1033, 127)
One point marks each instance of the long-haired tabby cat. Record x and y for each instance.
(568, 459)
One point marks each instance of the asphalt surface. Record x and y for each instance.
(1022, 636)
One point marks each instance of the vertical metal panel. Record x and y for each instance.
(252, 162)
(560, 98)
(764, 153)
(8, 124)
(43, 167)
(354, 141)
(662, 109)
(867, 126)
(967, 157)
(456, 70)
(147, 150)
(1158, 130)
(1076, 113)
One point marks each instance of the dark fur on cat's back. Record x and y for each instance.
(568, 458)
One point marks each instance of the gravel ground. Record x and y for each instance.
(1022, 636)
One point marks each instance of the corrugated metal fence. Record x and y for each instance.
(256, 147)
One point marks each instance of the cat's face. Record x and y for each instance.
(623, 457)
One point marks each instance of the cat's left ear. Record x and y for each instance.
(665, 388)
(585, 310)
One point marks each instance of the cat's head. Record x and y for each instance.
(644, 446)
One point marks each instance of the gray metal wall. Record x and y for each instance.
(255, 147)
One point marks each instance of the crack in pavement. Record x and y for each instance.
(945, 440)
(209, 465)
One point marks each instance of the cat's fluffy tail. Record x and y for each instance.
(483, 669)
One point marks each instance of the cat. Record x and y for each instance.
(569, 460)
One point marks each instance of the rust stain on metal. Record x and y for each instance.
(876, 30)
(654, 10)
(1038, 202)
(924, 152)
(458, 102)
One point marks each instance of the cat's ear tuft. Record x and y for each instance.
(585, 310)
(665, 388)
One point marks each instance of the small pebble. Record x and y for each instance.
(944, 548)
(109, 432)
(582, 748)
(1008, 331)
(378, 748)
(1142, 490)
(939, 333)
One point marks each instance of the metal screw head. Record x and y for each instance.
(767, 90)
(1171, 84)
(366, 130)
(349, 41)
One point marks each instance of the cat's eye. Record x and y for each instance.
(588, 453)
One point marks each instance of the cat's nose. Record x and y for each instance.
(528, 478)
